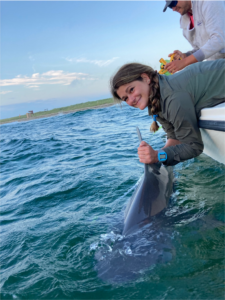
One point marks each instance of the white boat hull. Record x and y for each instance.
(214, 144)
(214, 139)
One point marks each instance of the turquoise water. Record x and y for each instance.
(65, 183)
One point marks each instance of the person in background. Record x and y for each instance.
(175, 101)
(203, 24)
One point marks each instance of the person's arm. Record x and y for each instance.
(188, 53)
(171, 142)
(177, 54)
(187, 143)
(178, 65)
(148, 155)
(213, 13)
(181, 113)
(167, 127)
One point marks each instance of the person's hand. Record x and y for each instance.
(177, 55)
(175, 66)
(146, 154)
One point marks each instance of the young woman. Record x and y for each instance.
(175, 101)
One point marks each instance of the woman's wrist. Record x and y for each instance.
(162, 155)
(153, 157)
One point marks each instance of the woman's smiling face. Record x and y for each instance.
(135, 93)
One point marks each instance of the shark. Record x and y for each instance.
(144, 240)
(150, 197)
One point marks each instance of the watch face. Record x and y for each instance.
(162, 156)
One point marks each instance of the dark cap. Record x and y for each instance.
(167, 4)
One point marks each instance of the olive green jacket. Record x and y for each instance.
(183, 95)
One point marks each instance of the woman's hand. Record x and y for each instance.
(177, 55)
(146, 154)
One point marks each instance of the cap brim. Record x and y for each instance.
(165, 8)
(167, 4)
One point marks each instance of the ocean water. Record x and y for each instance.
(65, 183)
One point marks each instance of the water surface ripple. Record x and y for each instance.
(65, 182)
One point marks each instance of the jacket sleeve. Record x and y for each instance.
(213, 12)
(191, 52)
(167, 127)
(180, 112)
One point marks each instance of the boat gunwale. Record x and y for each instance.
(212, 125)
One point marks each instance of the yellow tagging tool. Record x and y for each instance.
(162, 67)
(161, 72)
(172, 57)
(162, 61)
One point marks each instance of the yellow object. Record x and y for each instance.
(162, 61)
(161, 72)
(172, 57)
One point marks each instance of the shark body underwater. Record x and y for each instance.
(145, 241)
(151, 196)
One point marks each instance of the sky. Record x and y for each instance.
(60, 53)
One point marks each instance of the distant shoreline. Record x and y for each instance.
(46, 115)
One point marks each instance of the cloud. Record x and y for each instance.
(50, 77)
(5, 92)
(100, 63)
(33, 86)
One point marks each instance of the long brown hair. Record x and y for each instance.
(132, 72)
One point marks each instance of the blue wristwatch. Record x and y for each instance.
(162, 156)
